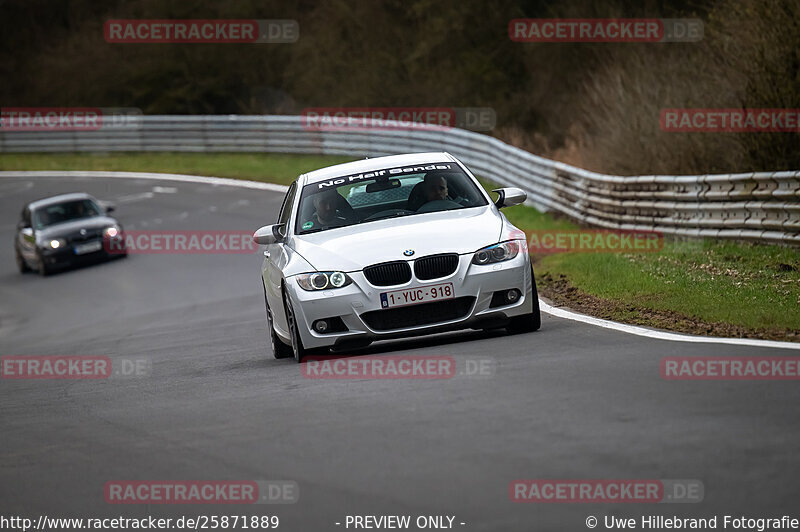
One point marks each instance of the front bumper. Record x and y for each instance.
(66, 256)
(474, 288)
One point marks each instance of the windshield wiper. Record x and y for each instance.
(393, 215)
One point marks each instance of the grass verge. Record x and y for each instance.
(706, 287)
(701, 287)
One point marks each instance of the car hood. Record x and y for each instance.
(68, 228)
(354, 247)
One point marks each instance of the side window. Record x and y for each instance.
(286, 208)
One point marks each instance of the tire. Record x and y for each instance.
(528, 322)
(298, 350)
(279, 349)
(42, 268)
(22, 266)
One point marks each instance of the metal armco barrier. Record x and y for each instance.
(762, 206)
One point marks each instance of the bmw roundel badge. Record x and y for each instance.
(408, 252)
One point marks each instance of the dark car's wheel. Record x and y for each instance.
(22, 266)
(279, 349)
(42, 267)
(528, 322)
(298, 350)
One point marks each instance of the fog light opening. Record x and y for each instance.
(513, 295)
(321, 326)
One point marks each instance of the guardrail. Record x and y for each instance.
(763, 206)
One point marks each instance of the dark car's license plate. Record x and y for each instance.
(88, 247)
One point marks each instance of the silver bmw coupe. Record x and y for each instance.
(393, 247)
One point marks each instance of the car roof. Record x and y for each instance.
(378, 163)
(52, 200)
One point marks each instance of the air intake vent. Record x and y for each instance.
(418, 315)
(91, 234)
(435, 266)
(388, 273)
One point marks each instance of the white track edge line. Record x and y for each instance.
(241, 183)
(553, 311)
(662, 335)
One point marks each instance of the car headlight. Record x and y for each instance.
(323, 280)
(496, 253)
(56, 243)
(111, 232)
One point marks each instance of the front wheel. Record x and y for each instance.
(43, 270)
(298, 350)
(279, 349)
(528, 322)
(22, 266)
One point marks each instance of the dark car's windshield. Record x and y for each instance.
(387, 193)
(64, 212)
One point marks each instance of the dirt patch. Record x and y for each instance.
(562, 293)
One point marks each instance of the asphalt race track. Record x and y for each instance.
(572, 401)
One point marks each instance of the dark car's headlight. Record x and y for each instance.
(496, 253)
(323, 280)
(55, 243)
(112, 231)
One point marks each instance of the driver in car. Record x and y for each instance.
(435, 187)
(80, 210)
(325, 212)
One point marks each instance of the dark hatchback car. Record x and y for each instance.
(65, 230)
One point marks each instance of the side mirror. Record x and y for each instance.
(110, 208)
(509, 196)
(269, 234)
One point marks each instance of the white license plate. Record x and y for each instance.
(414, 296)
(89, 247)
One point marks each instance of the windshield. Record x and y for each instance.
(388, 193)
(64, 212)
